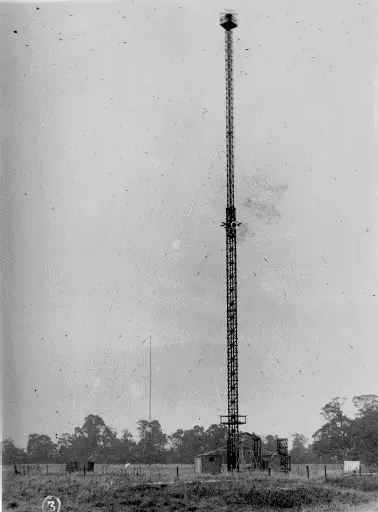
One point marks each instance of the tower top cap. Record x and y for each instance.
(228, 20)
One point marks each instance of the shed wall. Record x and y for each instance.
(212, 464)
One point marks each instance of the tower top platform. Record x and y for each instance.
(228, 20)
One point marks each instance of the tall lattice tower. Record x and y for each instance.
(233, 419)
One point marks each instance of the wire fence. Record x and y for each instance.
(140, 473)
(133, 473)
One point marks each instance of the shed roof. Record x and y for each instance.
(218, 451)
(247, 434)
(223, 448)
(268, 453)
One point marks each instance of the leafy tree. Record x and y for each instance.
(298, 451)
(107, 443)
(123, 449)
(186, 444)
(269, 443)
(92, 430)
(40, 448)
(91, 441)
(215, 437)
(102, 445)
(365, 428)
(65, 447)
(194, 442)
(310, 457)
(365, 403)
(10, 454)
(175, 449)
(152, 442)
(334, 438)
(339, 438)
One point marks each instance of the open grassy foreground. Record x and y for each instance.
(243, 493)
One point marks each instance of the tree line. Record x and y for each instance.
(339, 438)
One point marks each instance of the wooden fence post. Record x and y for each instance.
(269, 470)
(359, 469)
(298, 470)
(325, 473)
(177, 471)
(84, 470)
(308, 471)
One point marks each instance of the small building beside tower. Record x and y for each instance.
(215, 461)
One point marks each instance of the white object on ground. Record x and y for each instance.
(351, 466)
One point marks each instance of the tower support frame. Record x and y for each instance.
(283, 453)
(233, 419)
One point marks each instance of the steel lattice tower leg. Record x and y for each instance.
(283, 453)
(228, 22)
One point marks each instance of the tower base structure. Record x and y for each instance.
(233, 440)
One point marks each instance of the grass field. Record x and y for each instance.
(114, 493)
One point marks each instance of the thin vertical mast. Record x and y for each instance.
(150, 379)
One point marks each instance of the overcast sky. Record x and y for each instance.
(113, 193)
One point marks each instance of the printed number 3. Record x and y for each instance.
(51, 504)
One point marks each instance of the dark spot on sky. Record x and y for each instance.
(15, 31)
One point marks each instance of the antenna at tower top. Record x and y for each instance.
(228, 20)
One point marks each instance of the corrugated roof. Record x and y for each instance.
(218, 451)
(253, 435)
(223, 448)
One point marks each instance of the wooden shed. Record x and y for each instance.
(72, 466)
(250, 456)
(210, 462)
